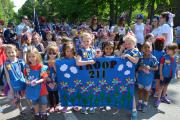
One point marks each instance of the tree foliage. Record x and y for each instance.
(78, 10)
(6, 10)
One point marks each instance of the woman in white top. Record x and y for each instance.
(166, 29)
(139, 30)
(119, 28)
(155, 26)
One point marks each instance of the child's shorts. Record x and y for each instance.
(147, 88)
(166, 81)
(41, 100)
(156, 75)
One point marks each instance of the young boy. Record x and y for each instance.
(168, 64)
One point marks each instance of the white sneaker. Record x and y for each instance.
(108, 108)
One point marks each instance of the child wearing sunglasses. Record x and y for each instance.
(52, 54)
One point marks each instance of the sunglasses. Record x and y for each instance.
(52, 53)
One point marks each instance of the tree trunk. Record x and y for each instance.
(129, 15)
(151, 11)
(112, 12)
(176, 5)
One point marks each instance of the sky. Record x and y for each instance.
(18, 4)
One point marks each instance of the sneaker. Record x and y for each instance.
(37, 117)
(84, 111)
(165, 100)
(145, 108)
(108, 108)
(91, 110)
(44, 116)
(134, 115)
(157, 103)
(77, 109)
(64, 110)
(102, 109)
(139, 106)
(51, 110)
(1, 109)
(155, 95)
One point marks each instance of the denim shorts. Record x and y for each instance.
(147, 88)
(41, 100)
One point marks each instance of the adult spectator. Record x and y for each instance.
(166, 29)
(94, 24)
(19, 29)
(10, 36)
(155, 26)
(139, 30)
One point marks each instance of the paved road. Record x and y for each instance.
(165, 112)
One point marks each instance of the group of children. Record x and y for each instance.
(35, 78)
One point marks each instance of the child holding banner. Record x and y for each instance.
(133, 55)
(168, 66)
(146, 67)
(14, 75)
(69, 53)
(85, 56)
(36, 76)
(53, 96)
(108, 49)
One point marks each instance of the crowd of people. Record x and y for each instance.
(27, 51)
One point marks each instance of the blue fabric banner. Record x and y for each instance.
(109, 82)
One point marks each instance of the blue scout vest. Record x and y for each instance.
(144, 78)
(86, 54)
(169, 65)
(133, 53)
(16, 76)
(158, 55)
(52, 77)
(33, 92)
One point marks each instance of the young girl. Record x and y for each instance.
(69, 53)
(25, 42)
(158, 52)
(14, 74)
(168, 66)
(133, 55)
(36, 76)
(108, 52)
(37, 42)
(85, 56)
(146, 67)
(148, 27)
(108, 49)
(53, 53)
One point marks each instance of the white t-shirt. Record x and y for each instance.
(156, 31)
(139, 32)
(119, 29)
(166, 29)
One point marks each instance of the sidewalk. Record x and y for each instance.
(165, 112)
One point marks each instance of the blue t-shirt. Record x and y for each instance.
(146, 79)
(86, 54)
(158, 55)
(169, 66)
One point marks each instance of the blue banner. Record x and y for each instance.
(109, 82)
